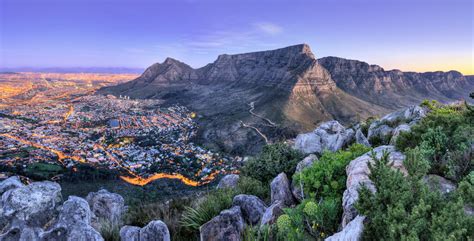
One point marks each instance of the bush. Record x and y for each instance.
(327, 177)
(109, 231)
(273, 159)
(403, 208)
(252, 186)
(207, 208)
(447, 134)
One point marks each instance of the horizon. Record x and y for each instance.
(419, 36)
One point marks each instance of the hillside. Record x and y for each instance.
(243, 100)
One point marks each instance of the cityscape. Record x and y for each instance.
(58, 120)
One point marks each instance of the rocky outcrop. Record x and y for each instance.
(358, 174)
(228, 225)
(10, 183)
(252, 207)
(351, 232)
(296, 188)
(155, 231)
(130, 233)
(228, 181)
(280, 190)
(106, 206)
(440, 184)
(387, 129)
(361, 139)
(33, 205)
(272, 213)
(329, 135)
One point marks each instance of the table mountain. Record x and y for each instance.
(244, 100)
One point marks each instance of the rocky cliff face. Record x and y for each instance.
(290, 87)
(394, 88)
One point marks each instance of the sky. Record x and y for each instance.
(411, 35)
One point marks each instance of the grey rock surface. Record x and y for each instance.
(351, 232)
(228, 181)
(33, 205)
(361, 139)
(155, 231)
(106, 205)
(10, 183)
(228, 225)
(438, 183)
(272, 213)
(129, 233)
(280, 190)
(251, 206)
(330, 135)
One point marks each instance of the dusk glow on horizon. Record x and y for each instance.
(410, 35)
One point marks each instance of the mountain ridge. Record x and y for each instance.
(289, 86)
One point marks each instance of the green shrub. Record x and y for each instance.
(327, 177)
(273, 159)
(109, 231)
(403, 208)
(447, 134)
(207, 208)
(257, 233)
(252, 186)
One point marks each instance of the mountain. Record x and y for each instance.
(393, 88)
(242, 100)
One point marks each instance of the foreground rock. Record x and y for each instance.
(358, 174)
(280, 190)
(296, 188)
(33, 205)
(393, 124)
(228, 181)
(361, 139)
(251, 206)
(438, 183)
(154, 231)
(352, 231)
(106, 206)
(272, 213)
(329, 135)
(228, 225)
(10, 183)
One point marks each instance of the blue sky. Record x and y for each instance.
(418, 35)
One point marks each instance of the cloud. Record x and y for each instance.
(269, 28)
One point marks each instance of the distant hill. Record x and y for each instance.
(108, 70)
(244, 99)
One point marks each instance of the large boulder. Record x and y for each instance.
(387, 126)
(155, 231)
(106, 206)
(129, 233)
(296, 188)
(280, 190)
(379, 133)
(74, 222)
(396, 132)
(22, 233)
(361, 139)
(272, 213)
(75, 211)
(228, 225)
(10, 183)
(33, 205)
(438, 183)
(358, 174)
(229, 181)
(251, 206)
(351, 232)
(329, 135)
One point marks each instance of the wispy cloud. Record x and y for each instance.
(269, 28)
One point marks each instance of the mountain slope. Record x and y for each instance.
(244, 99)
(394, 88)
